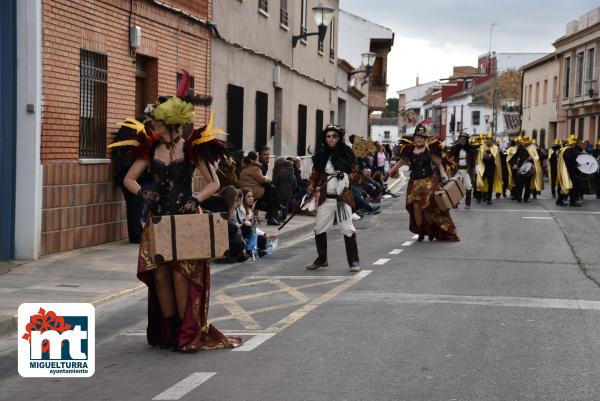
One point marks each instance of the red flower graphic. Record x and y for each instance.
(44, 321)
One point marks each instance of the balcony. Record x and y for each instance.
(377, 92)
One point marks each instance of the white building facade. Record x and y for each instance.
(385, 131)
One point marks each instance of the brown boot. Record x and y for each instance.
(352, 253)
(321, 260)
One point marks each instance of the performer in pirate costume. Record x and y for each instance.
(464, 156)
(489, 175)
(178, 293)
(425, 217)
(333, 169)
(553, 168)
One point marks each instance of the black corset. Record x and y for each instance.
(173, 184)
(420, 166)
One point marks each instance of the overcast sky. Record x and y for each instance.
(431, 36)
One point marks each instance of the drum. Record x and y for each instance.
(587, 165)
(526, 169)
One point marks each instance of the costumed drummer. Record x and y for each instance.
(489, 175)
(537, 180)
(426, 218)
(333, 169)
(521, 178)
(567, 173)
(464, 155)
(178, 292)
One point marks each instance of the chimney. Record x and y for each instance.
(417, 79)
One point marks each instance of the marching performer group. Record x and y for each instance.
(178, 292)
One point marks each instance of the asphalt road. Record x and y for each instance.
(511, 312)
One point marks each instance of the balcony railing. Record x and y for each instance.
(378, 83)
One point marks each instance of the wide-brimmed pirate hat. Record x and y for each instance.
(421, 131)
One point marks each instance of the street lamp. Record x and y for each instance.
(323, 16)
(367, 61)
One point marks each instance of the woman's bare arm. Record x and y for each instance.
(212, 181)
(135, 171)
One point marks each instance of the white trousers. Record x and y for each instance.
(326, 213)
(464, 175)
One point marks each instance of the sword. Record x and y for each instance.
(305, 201)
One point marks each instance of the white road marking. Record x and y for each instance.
(486, 210)
(511, 302)
(183, 387)
(407, 243)
(415, 236)
(537, 218)
(381, 261)
(396, 251)
(250, 344)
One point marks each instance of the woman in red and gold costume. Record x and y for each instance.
(178, 293)
(425, 217)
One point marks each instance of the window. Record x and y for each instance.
(579, 74)
(302, 114)
(580, 127)
(303, 16)
(332, 39)
(572, 132)
(93, 74)
(589, 74)
(554, 88)
(283, 13)
(542, 140)
(530, 95)
(567, 76)
(537, 93)
(386, 134)
(545, 96)
(475, 117)
(190, 91)
(263, 5)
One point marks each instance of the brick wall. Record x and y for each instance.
(81, 206)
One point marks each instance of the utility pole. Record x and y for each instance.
(494, 90)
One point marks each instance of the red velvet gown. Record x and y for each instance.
(174, 185)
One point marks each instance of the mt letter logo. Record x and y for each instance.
(56, 340)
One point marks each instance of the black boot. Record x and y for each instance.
(352, 253)
(321, 260)
(421, 234)
(468, 199)
(170, 342)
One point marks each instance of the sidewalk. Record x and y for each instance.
(97, 274)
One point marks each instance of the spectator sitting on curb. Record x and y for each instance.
(251, 177)
(245, 217)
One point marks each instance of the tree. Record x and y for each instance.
(508, 85)
(391, 108)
